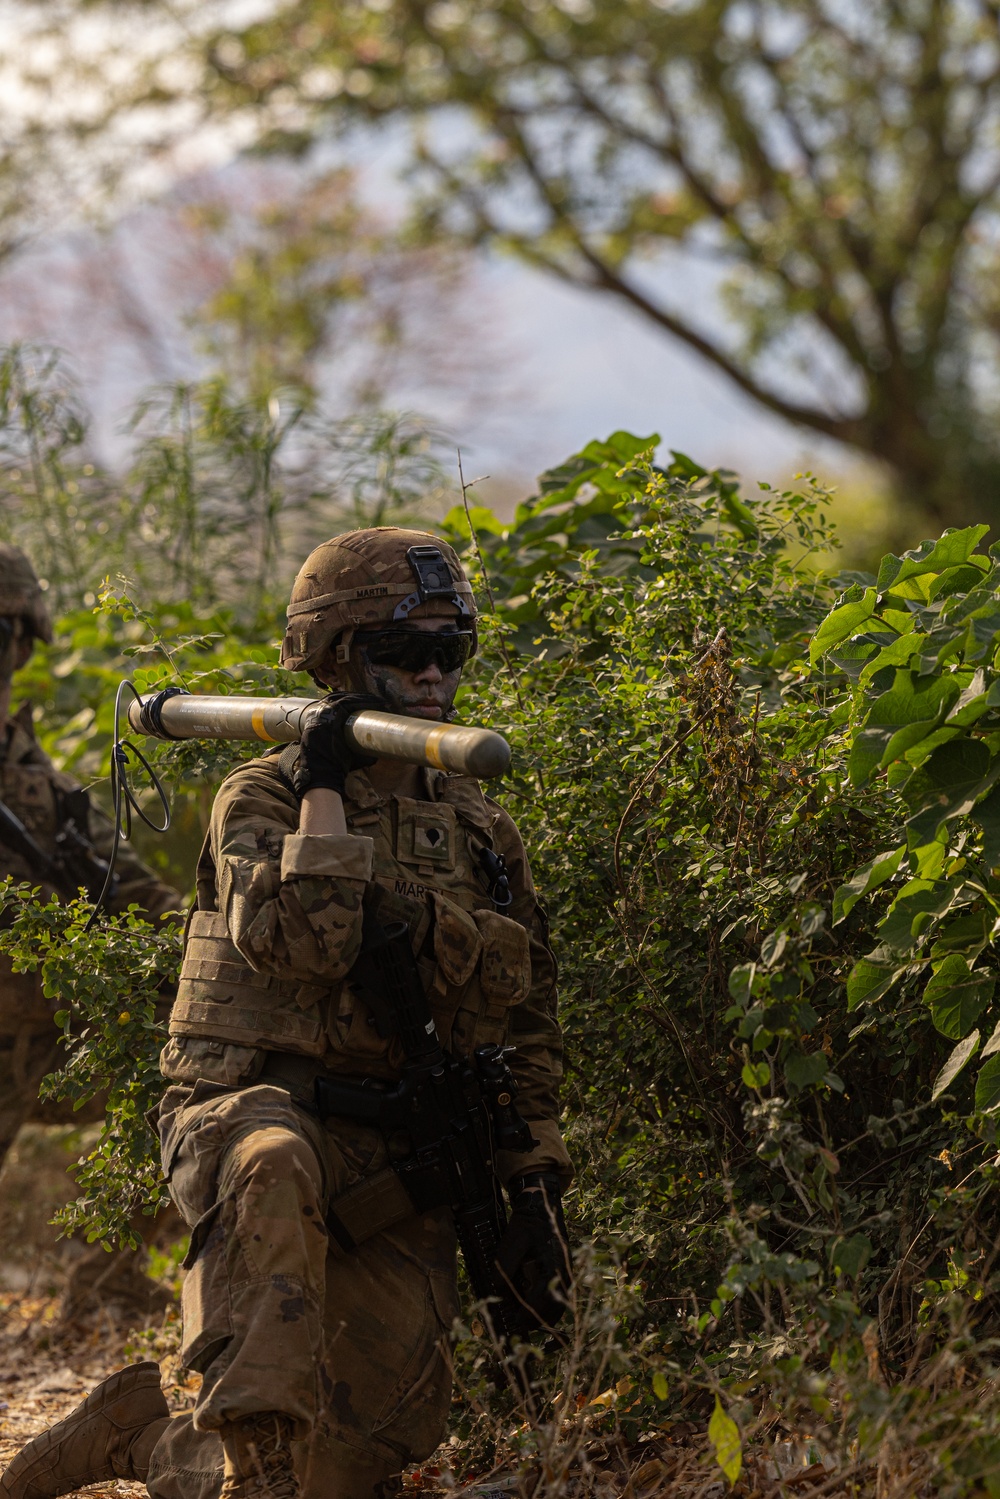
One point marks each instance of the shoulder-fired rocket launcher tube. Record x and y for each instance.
(277, 720)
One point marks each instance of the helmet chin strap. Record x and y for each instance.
(355, 673)
(351, 671)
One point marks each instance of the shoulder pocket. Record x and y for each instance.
(505, 968)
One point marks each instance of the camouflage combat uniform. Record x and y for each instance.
(350, 1344)
(34, 791)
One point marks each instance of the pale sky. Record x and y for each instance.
(585, 365)
(560, 366)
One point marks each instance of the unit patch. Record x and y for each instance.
(426, 833)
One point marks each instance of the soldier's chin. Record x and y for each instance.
(432, 711)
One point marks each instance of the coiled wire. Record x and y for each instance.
(123, 800)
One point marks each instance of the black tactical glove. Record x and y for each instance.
(533, 1256)
(325, 757)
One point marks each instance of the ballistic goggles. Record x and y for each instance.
(414, 650)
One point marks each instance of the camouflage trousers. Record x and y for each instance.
(29, 1048)
(26, 1055)
(352, 1346)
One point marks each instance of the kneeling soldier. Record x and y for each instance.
(318, 1300)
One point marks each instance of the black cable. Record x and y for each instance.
(123, 800)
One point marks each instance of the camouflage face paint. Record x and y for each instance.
(401, 693)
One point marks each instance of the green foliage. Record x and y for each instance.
(663, 729)
(923, 658)
(774, 941)
(224, 496)
(109, 984)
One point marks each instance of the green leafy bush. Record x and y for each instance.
(765, 838)
(109, 983)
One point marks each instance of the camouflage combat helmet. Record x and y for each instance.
(20, 595)
(365, 579)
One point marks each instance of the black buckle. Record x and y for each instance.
(434, 581)
(494, 868)
(433, 575)
(151, 712)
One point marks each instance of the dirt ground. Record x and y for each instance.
(50, 1360)
(45, 1371)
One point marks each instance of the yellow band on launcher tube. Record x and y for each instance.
(431, 749)
(257, 720)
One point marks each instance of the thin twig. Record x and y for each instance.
(661, 762)
(743, 799)
(486, 577)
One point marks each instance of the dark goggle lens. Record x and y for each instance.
(414, 650)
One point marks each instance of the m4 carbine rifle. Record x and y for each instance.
(75, 862)
(456, 1113)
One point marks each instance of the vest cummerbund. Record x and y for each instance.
(221, 997)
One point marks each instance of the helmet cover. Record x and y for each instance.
(365, 579)
(20, 594)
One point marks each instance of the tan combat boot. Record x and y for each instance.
(111, 1435)
(258, 1456)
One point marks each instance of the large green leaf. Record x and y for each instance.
(900, 718)
(967, 934)
(898, 652)
(948, 785)
(917, 904)
(756, 1074)
(988, 1085)
(850, 1256)
(950, 550)
(868, 981)
(842, 621)
(993, 1044)
(987, 814)
(982, 633)
(957, 581)
(957, 997)
(868, 878)
(850, 657)
(961, 1054)
(972, 702)
(802, 1069)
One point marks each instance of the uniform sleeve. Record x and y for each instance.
(292, 901)
(534, 1027)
